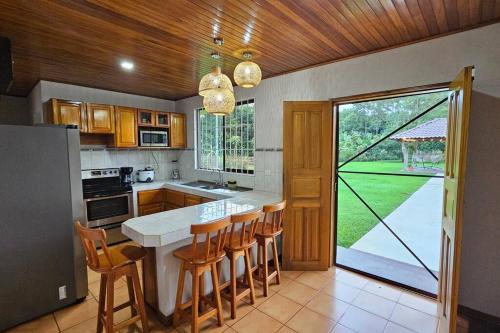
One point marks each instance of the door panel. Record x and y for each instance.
(456, 153)
(177, 130)
(126, 127)
(307, 161)
(100, 118)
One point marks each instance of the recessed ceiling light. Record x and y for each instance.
(127, 65)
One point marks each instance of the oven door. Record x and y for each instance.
(154, 138)
(108, 210)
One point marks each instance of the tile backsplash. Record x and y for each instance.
(160, 160)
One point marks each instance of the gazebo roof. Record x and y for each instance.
(433, 130)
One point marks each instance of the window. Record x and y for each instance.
(227, 143)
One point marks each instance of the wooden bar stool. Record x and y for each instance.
(113, 264)
(266, 233)
(240, 241)
(199, 257)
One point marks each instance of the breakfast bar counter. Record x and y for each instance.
(163, 233)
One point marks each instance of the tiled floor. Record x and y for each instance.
(333, 301)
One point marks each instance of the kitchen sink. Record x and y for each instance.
(213, 186)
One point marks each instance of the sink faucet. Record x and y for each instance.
(220, 181)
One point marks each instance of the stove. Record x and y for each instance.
(108, 201)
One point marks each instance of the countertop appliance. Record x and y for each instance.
(146, 176)
(43, 263)
(126, 175)
(150, 138)
(176, 175)
(108, 202)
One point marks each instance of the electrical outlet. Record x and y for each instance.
(62, 292)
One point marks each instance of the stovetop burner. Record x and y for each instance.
(103, 183)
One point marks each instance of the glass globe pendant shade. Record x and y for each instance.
(219, 102)
(213, 80)
(247, 74)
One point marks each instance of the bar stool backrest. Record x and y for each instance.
(210, 251)
(273, 216)
(245, 219)
(90, 238)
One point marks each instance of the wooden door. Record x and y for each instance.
(451, 233)
(191, 200)
(162, 119)
(100, 118)
(177, 130)
(307, 163)
(67, 113)
(125, 127)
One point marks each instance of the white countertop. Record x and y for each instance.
(171, 226)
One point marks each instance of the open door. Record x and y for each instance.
(307, 184)
(454, 176)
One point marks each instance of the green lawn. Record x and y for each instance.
(382, 193)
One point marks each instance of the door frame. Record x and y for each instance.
(336, 102)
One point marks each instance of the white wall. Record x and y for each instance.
(14, 110)
(480, 274)
(433, 61)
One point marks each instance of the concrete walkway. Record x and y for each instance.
(417, 221)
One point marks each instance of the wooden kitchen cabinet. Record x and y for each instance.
(151, 209)
(205, 200)
(162, 119)
(125, 128)
(192, 200)
(178, 130)
(100, 118)
(63, 112)
(150, 201)
(147, 118)
(174, 198)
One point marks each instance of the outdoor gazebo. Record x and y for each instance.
(433, 130)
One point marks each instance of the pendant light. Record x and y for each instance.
(214, 80)
(247, 74)
(219, 102)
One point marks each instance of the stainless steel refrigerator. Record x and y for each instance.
(42, 264)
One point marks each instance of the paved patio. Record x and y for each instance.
(417, 221)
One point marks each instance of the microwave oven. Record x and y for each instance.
(153, 138)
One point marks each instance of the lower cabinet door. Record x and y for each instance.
(151, 209)
(191, 200)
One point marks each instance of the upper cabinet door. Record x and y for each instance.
(100, 118)
(147, 118)
(67, 113)
(177, 130)
(162, 119)
(125, 127)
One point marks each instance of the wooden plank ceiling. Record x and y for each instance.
(82, 42)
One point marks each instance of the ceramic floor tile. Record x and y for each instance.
(208, 326)
(417, 302)
(362, 321)
(280, 308)
(76, 314)
(286, 329)
(242, 309)
(328, 306)
(395, 328)
(44, 324)
(259, 295)
(414, 320)
(283, 282)
(298, 292)
(342, 291)
(342, 329)
(230, 330)
(308, 321)
(88, 326)
(291, 274)
(375, 304)
(352, 279)
(312, 279)
(383, 290)
(257, 322)
(93, 276)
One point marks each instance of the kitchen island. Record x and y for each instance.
(164, 232)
